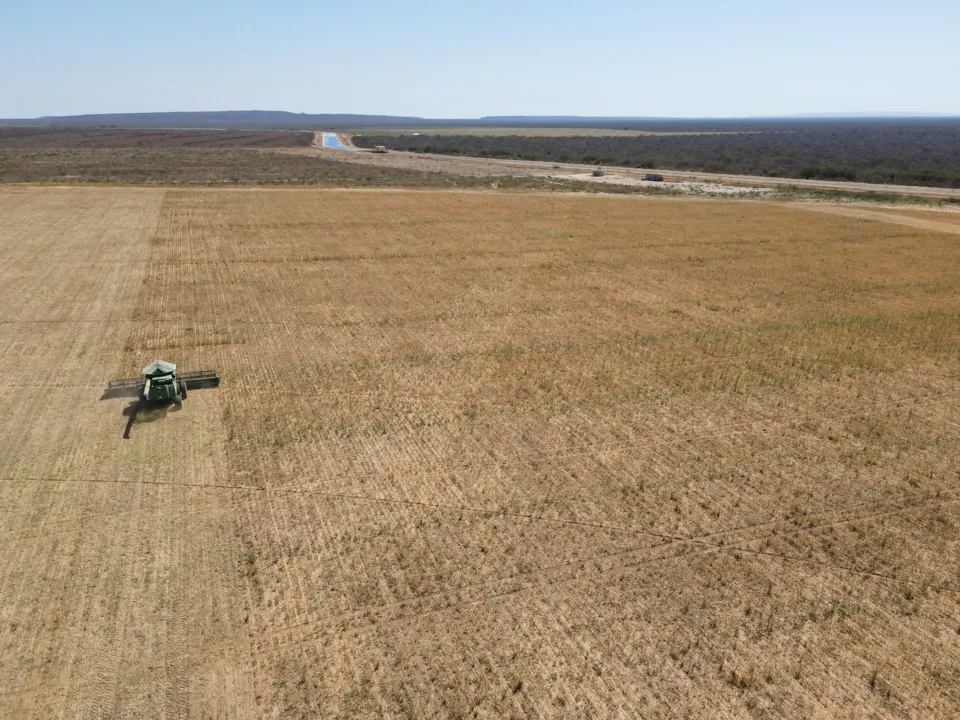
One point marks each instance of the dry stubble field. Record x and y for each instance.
(477, 455)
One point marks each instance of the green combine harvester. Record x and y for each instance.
(161, 385)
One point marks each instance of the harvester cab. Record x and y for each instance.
(160, 384)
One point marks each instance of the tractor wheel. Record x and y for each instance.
(183, 390)
(178, 401)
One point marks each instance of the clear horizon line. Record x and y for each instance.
(830, 114)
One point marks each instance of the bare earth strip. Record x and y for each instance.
(941, 222)
(950, 214)
(478, 454)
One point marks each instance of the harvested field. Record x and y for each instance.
(477, 454)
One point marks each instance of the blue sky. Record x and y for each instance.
(438, 59)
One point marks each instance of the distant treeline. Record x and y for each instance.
(82, 138)
(906, 153)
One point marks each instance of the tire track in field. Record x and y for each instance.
(660, 444)
(636, 340)
(649, 261)
(791, 520)
(614, 561)
(862, 214)
(16, 536)
(668, 548)
(448, 316)
(339, 397)
(516, 462)
(361, 620)
(446, 414)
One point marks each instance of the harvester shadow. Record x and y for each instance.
(139, 412)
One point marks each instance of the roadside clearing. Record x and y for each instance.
(886, 217)
(463, 164)
(696, 188)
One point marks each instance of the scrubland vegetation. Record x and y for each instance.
(904, 152)
(86, 138)
(215, 166)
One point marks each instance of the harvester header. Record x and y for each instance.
(161, 385)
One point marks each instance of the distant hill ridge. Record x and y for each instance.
(232, 119)
(281, 120)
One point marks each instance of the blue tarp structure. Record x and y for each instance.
(331, 141)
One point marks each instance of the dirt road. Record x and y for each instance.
(471, 165)
(947, 225)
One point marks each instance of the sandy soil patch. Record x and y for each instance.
(941, 222)
(692, 188)
(942, 214)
